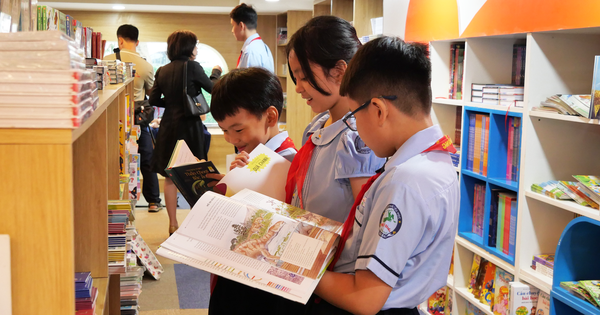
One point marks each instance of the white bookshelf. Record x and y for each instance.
(553, 146)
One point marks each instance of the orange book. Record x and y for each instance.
(485, 145)
(477, 146)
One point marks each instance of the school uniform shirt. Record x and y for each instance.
(339, 154)
(406, 222)
(275, 142)
(255, 53)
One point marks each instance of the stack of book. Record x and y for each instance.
(587, 290)
(503, 221)
(518, 65)
(440, 302)
(586, 191)
(477, 149)
(85, 294)
(457, 57)
(490, 285)
(567, 104)
(128, 73)
(116, 69)
(131, 288)
(478, 209)
(512, 150)
(497, 94)
(543, 264)
(43, 81)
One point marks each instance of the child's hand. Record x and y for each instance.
(217, 178)
(241, 160)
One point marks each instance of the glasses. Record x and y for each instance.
(353, 128)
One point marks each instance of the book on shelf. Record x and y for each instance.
(523, 299)
(257, 241)
(501, 291)
(486, 295)
(574, 191)
(458, 126)
(518, 64)
(543, 304)
(188, 173)
(590, 186)
(477, 150)
(477, 261)
(266, 173)
(543, 264)
(506, 227)
(85, 293)
(493, 220)
(436, 303)
(594, 112)
(478, 209)
(457, 56)
(479, 282)
(473, 310)
(567, 104)
(583, 290)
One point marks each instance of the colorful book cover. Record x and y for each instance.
(452, 70)
(591, 184)
(551, 189)
(545, 259)
(480, 277)
(595, 104)
(571, 189)
(44, 18)
(477, 144)
(543, 305)
(436, 303)
(501, 292)
(523, 299)
(593, 289)
(509, 151)
(471, 145)
(146, 256)
(486, 145)
(482, 143)
(62, 22)
(487, 288)
(516, 146)
(474, 270)
(69, 25)
(500, 225)
(577, 290)
(512, 238)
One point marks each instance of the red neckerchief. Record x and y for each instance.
(286, 144)
(298, 170)
(241, 52)
(444, 144)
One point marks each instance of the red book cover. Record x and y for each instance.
(94, 44)
(506, 234)
(103, 47)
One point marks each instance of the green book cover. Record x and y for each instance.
(500, 233)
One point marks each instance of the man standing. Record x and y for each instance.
(142, 84)
(255, 53)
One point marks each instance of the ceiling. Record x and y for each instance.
(181, 6)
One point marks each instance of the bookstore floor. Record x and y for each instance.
(169, 295)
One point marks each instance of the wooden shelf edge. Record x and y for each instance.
(445, 101)
(566, 205)
(469, 297)
(537, 280)
(102, 285)
(485, 254)
(556, 116)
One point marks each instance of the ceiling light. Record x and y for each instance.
(118, 7)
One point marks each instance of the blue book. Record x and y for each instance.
(69, 25)
(513, 228)
(493, 225)
(471, 148)
(482, 146)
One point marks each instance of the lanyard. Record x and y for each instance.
(241, 52)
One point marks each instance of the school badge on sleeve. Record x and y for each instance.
(390, 222)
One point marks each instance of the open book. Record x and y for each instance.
(257, 241)
(188, 173)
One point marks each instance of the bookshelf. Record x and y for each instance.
(343, 9)
(322, 8)
(364, 11)
(55, 206)
(553, 146)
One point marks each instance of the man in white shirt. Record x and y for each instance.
(142, 84)
(255, 53)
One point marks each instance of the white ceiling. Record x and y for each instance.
(181, 6)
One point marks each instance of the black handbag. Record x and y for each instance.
(193, 105)
(143, 113)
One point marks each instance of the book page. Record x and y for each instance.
(266, 173)
(182, 155)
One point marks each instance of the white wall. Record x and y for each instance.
(394, 17)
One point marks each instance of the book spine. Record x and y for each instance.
(516, 149)
(451, 79)
(471, 145)
(477, 144)
(514, 65)
(486, 145)
(513, 228)
(481, 209)
(44, 18)
(455, 85)
(523, 54)
(509, 149)
(500, 227)
(493, 220)
(506, 234)
(484, 120)
(461, 66)
(474, 228)
(458, 126)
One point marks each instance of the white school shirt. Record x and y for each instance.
(275, 142)
(256, 54)
(339, 155)
(406, 223)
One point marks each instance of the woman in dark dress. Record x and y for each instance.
(175, 124)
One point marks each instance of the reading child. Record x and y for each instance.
(246, 103)
(401, 229)
(334, 162)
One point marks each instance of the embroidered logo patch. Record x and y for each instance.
(360, 146)
(390, 222)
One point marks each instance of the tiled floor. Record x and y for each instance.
(160, 297)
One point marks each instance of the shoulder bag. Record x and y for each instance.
(193, 105)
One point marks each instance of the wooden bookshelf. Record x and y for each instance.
(364, 11)
(55, 204)
(343, 9)
(322, 8)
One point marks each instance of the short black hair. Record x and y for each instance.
(180, 44)
(324, 40)
(253, 89)
(128, 32)
(244, 13)
(390, 66)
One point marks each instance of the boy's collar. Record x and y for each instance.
(275, 142)
(415, 145)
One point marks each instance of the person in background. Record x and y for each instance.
(142, 83)
(175, 124)
(255, 53)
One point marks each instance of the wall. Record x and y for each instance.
(212, 29)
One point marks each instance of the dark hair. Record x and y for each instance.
(324, 40)
(244, 13)
(253, 89)
(389, 66)
(128, 32)
(180, 44)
